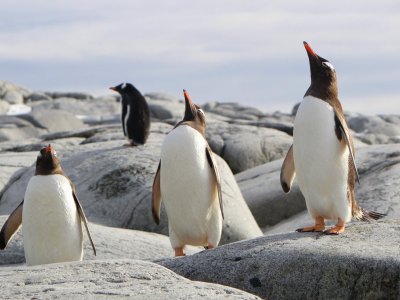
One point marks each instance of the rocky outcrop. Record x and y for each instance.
(131, 279)
(362, 263)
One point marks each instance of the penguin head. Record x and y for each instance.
(123, 88)
(194, 115)
(323, 74)
(47, 162)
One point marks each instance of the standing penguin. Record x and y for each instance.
(135, 115)
(322, 154)
(188, 182)
(51, 216)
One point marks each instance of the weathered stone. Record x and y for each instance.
(56, 120)
(37, 96)
(15, 128)
(74, 95)
(233, 110)
(244, 147)
(362, 263)
(4, 107)
(131, 279)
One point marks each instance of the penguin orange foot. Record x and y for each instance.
(338, 228)
(179, 252)
(318, 227)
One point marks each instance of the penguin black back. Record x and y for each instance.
(135, 115)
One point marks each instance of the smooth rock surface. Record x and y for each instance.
(244, 147)
(131, 279)
(362, 263)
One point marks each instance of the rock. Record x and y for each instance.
(12, 93)
(4, 107)
(131, 279)
(164, 107)
(376, 129)
(15, 128)
(263, 193)
(295, 109)
(111, 243)
(18, 110)
(362, 263)
(74, 95)
(114, 185)
(244, 147)
(233, 110)
(56, 120)
(13, 97)
(37, 96)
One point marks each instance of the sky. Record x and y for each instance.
(249, 52)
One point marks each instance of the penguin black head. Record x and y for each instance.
(123, 88)
(47, 162)
(323, 75)
(194, 115)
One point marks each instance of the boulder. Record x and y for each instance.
(376, 129)
(14, 128)
(362, 263)
(165, 107)
(56, 120)
(4, 107)
(244, 147)
(121, 278)
(74, 95)
(233, 110)
(111, 243)
(114, 184)
(37, 96)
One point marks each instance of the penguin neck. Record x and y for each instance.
(328, 93)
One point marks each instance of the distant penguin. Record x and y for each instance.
(188, 182)
(51, 216)
(322, 154)
(135, 115)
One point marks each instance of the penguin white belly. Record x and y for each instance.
(321, 160)
(188, 190)
(51, 225)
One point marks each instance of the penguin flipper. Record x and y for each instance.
(217, 178)
(343, 131)
(83, 217)
(156, 196)
(11, 226)
(288, 171)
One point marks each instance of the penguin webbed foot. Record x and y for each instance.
(318, 227)
(334, 230)
(179, 252)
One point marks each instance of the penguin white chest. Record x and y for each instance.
(321, 160)
(188, 189)
(51, 225)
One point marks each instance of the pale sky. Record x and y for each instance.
(242, 51)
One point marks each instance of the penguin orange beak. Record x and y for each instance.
(190, 108)
(309, 50)
(48, 149)
(113, 88)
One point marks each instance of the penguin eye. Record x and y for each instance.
(329, 65)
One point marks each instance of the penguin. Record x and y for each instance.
(135, 116)
(51, 215)
(188, 182)
(322, 155)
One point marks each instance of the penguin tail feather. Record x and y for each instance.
(369, 216)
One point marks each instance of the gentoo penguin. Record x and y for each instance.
(322, 154)
(51, 216)
(188, 182)
(135, 115)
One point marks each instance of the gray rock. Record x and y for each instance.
(37, 96)
(376, 129)
(233, 110)
(4, 107)
(162, 97)
(111, 243)
(131, 279)
(12, 93)
(165, 108)
(263, 193)
(362, 263)
(74, 95)
(15, 128)
(114, 184)
(244, 147)
(56, 120)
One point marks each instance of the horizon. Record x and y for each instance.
(228, 51)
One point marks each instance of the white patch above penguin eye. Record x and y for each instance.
(201, 114)
(329, 65)
(123, 86)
